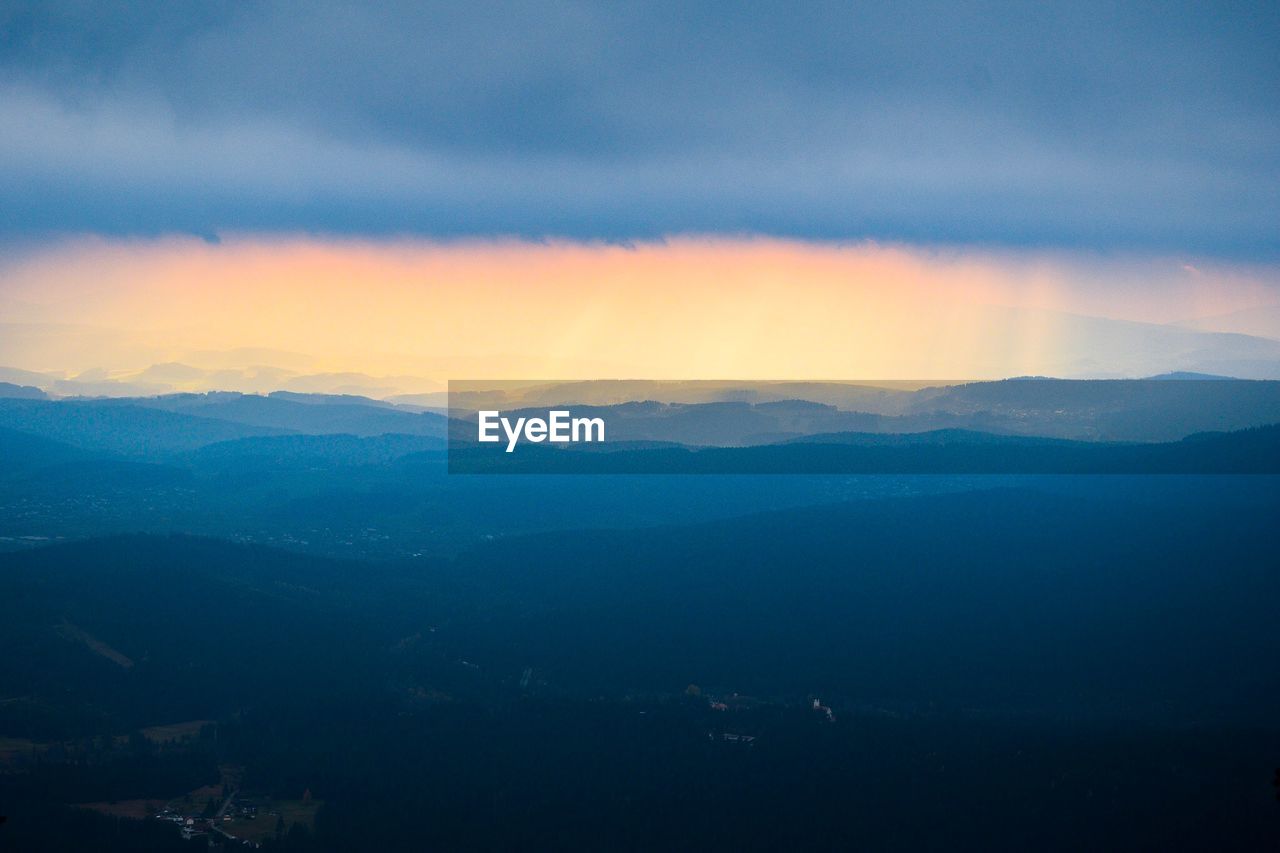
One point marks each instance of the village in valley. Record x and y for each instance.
(225, 813)
(238, 817)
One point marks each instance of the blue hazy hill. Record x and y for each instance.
(314, 414)
(120, 428)
(21, 392)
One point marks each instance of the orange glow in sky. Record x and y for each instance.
(685, 308)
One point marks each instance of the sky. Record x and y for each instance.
(1117, 161)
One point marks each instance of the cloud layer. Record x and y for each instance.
(1150, 127)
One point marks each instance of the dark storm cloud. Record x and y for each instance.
(1146, 126)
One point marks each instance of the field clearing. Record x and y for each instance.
(133, 809)
(14, 749)
(175, 731)
(264, 825)
(77, 634)
(19, 744)
(196, 800)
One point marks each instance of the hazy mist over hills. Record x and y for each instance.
(698, 413)
(1262, 322)
(1241, 345)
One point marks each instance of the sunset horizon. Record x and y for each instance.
(104, 310)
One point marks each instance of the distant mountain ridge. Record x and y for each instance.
(1096, 410)
(1149, 411)
(1263, 322)
(21, 392)
(310, 414)
(1252, 451)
